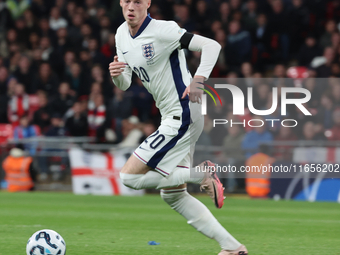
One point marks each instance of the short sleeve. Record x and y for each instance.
(170, 34)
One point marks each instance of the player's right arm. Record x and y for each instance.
(120, 72)
(176, 38)
(210, 50)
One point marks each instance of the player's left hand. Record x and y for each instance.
(194, 91)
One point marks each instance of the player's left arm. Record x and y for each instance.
(210, 51)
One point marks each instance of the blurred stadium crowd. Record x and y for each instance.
(54, 57)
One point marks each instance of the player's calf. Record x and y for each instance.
(198, 216)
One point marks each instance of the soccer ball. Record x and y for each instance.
(46, 242)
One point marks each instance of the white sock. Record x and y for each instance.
(153, 179)
(198, 216)
(178, 177)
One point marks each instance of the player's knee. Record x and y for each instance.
(131, 180)
(125, 169)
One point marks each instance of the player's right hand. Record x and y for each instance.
(194, 90)
(116, 68)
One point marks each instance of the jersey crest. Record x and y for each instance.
(148, 51)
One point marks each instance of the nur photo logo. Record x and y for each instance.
(204, 97)
(280, 98)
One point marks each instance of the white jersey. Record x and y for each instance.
(154, 54)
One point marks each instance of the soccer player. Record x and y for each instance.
(153, 49)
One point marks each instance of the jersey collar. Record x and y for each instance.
(143, 26)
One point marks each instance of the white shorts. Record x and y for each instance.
(171, 145)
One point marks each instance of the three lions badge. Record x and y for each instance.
(148, 51)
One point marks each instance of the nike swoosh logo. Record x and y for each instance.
(125, 52)
(140, 147)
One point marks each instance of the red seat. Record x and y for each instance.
(297, 72)
(34, 104)
(6, 132)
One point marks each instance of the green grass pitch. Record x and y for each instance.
(124, 225)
